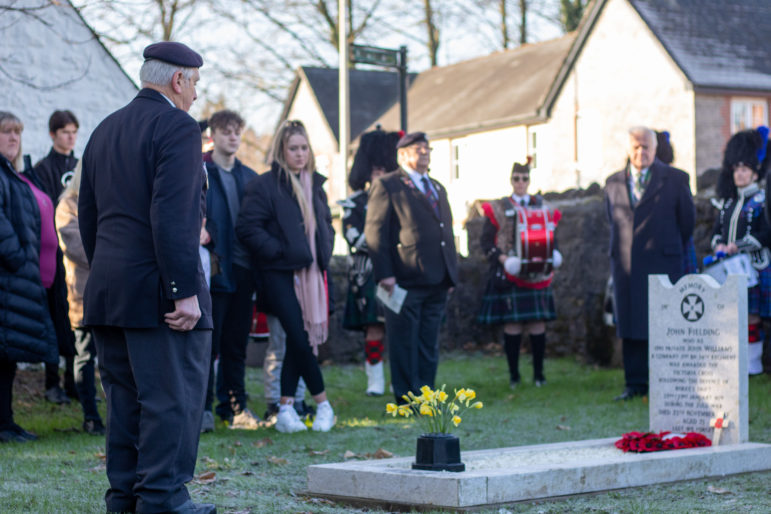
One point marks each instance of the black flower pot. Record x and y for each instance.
(438, 452)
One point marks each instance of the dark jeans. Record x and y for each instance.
(7, 374)
(635, 354)
(155, 381)
(299, 360)
(52, 374)
(232, 316)
(413, 339)
(83, 371)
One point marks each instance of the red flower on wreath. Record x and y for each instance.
(639, 442)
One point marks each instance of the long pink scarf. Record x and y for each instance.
(309, 282)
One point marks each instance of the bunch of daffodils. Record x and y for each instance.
(435, 409)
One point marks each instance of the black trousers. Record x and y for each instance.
(635, 354)
(7, 375)
(232, 316)
(155, 381)
(413, 339)
(299, 360)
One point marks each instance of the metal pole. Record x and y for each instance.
(344, 130)
(403, 86)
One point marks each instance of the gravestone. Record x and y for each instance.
(698, 355)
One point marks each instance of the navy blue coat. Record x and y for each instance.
(647, 239)
(219, 223)
(270, 224)
(140, 215)
(26, 331)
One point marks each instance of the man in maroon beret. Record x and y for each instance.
(146, 299)
(411, 244)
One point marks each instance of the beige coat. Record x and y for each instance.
(75, 262)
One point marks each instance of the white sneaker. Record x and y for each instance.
(288, 421)
(325, 418)
(375, 379)
(245, 420)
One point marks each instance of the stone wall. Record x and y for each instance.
(579, 286)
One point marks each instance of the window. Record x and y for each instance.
(456, 160)
(748, 113)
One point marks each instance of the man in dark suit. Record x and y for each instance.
(409, 235)
(651, 215)
(140, 213)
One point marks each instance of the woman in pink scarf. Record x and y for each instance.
(286, 225)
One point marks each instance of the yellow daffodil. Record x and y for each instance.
(477, 405)
(456, 420)
(405, 411)
(391, 408)
(461, 394)
(426, 410)
(425, 390)
(471, 394)
(442, 396)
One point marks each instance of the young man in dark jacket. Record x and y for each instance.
(232, 287)
(51, 175)
(56, 169)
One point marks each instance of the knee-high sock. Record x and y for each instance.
(538, 344)
(511, 346)
(373, 351)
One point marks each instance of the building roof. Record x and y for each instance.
(497, 90)
(372, 92)
(717, 43)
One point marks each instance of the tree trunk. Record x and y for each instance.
(433, 34)
(523, 22)
(504, 24)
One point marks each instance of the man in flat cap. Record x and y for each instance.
(411, 243)
(146, 300)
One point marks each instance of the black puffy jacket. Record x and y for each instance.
(26, 331)
(270, 224)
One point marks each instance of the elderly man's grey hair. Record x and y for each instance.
(640, 130)
(160, 73)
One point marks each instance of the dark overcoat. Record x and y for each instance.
(140, 215)
(26, 331)
(51, 170)
(219, 224)
(646, 239)
(406, 237)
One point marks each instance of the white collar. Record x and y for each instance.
(519, 199)
(167, 99)
(748, 190)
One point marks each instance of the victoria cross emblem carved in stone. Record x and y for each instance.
(692, 307)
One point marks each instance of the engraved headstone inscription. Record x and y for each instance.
(698, 355)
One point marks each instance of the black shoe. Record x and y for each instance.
(93, 427)
(57, 395)
(195, 508)
(303, 409)
(628, 394)
(29, 436)
(10, 436)
(540, 382)
(514, 383)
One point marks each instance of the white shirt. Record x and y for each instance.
(167, 99)
(417, 178)
(519, 199)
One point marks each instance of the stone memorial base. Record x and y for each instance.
(507, 475)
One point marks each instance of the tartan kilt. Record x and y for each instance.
(361, 306)
(759, 297)
(516, 305)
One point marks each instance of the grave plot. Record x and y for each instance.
(698, 382)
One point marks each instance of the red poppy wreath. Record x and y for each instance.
(640, 442)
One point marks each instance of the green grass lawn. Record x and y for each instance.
(264, 471)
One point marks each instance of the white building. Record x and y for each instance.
(51, 59)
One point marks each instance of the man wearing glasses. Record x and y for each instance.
(412, 246)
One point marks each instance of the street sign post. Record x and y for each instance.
(387, 58)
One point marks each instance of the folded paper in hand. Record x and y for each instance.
(394, 300)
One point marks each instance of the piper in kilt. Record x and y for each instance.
(375, 156)
(517, 296)
(741, 226)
